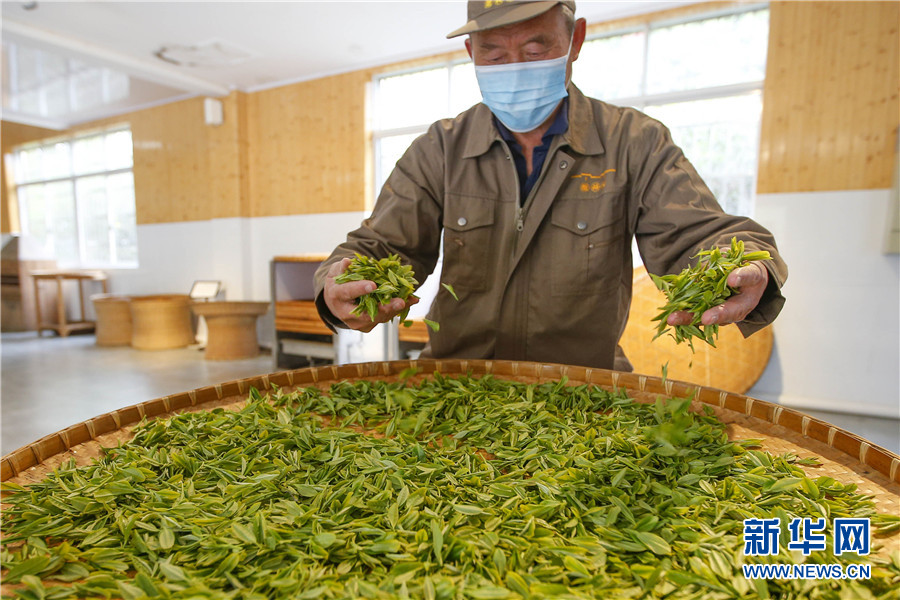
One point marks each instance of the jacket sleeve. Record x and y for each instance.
(406, 219)
(675, 216)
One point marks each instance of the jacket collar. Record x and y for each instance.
(582, 135)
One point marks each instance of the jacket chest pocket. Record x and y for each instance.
(468, 225)
(585, 238)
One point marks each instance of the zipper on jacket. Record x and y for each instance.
(520, 211)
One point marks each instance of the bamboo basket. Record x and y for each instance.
(232, 328)
(161, 322)
(113, 326)
(844, 456)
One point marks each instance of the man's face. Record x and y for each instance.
(542, 38)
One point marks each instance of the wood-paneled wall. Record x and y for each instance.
(831, 105)
(308, 146)
(186, 170)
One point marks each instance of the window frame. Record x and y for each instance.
(378, 134)
(642, 100)
(72, 179)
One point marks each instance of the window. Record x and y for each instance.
(76, 199)
(405, 104)
(702, 77)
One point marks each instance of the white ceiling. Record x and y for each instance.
(71, 62)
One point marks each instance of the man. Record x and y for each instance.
(539, 192)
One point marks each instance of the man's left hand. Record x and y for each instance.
(750, 283)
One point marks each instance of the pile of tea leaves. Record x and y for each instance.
(698, 288)
(448, 488)
(392, 278)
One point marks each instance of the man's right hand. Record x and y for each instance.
(341, 300)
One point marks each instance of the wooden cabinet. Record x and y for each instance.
(300, 335)
(417, 333)
(300, 316)
(17, 302)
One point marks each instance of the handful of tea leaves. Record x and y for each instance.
(394, 280)
(699, 288)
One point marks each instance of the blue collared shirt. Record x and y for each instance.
(526, 182)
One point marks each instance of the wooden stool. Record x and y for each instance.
(161, 322)
(113, 319)
(232, 328)
(63, 327)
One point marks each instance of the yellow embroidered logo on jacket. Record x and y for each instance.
(490, 3)
(593, 183)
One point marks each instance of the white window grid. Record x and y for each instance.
(71, 179)
(645, 98)
(409, 130)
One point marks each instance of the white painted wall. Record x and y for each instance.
(837, 341)
(234, 251)
(174, 255)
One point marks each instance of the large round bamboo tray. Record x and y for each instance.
(113, 326)
(735, 364)
(161, 322)
(844, 456)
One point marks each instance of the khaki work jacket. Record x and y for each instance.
(549, 282)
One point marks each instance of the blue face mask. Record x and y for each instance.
(522, 95)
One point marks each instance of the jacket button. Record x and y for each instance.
(581, 225)
(563, 164)
(462, 221)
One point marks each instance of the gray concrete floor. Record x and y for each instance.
(50, 383)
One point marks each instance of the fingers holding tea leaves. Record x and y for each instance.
(723, 287)
(749, 284)
(387, 287)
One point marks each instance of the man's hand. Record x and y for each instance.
(750, 283)
(341, 300)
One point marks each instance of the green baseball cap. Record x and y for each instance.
(488, 14)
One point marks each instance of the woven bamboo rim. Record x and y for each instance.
(844, 456)
(228, 308)
(855, 448)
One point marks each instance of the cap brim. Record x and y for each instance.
(514, 13)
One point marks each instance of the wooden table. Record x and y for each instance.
(63, 327)
(232, 328)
